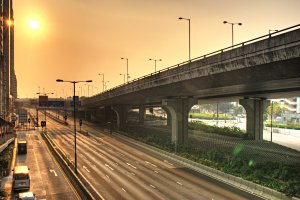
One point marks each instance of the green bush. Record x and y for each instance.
(228, 131)
(287, 126)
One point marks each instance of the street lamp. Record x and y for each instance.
(126, 67)
(270, 31)
(105, 83)
(124, 75)
(102, 80)
(232, 24)
(155, 62)
(74, 106)
(181, 18)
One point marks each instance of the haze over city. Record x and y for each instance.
(78, 39)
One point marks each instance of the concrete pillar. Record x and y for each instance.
(169, 117)
(179, 110)
(254, 109)
(142, 114)
(122, 113)
(108, 114)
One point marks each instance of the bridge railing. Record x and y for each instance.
(183, 66)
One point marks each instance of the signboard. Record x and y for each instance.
(52, 104)
(23, 118)
(43, 100)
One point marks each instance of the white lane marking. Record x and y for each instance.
(131, 165)
(116, 164)
(109, 167)
(84, 167)
(101, 139)
(133, 173)
(107, 176)
(168, 162)
(152, 186)
(156, 171)
(150, 164)
(179, 183)
(123, 189)
(54, 172)
(38, 141)
(82, 155)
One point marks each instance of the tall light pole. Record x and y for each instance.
(74, 106)
(105, 83)
(102, 80)
(155, 62)
(181, 18)
(124, 75)
(270, 31)
(232, 24)
(126, 68)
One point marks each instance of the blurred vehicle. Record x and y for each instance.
(26, 196)
(21, 178)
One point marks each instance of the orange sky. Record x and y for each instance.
(78, 39)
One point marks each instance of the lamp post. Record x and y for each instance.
(124, 75)
(74, 106)
(155, 62)
(181, 18)
(232, 24)
(102, 80)
(270, 31)
(105, 83)
(127, 74)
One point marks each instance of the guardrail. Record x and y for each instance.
(80, 183)
(267, 36)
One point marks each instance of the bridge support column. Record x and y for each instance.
(179, 110)
(254, 109)
(122, 113)
(169, 118)
(142, 114)
(108, 114)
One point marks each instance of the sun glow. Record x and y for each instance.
(34, 25)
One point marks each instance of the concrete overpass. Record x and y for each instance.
(252, 71)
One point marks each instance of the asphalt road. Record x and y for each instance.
(47, 180)
(119, 171)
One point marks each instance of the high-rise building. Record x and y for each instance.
(8, 80)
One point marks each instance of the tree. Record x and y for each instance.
(277, 110)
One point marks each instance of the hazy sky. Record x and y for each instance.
(78, 39)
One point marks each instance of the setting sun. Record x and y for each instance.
(34, 24)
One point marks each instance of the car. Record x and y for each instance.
(26, 196)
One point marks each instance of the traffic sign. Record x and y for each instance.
(43, 123)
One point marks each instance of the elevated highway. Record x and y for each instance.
(252, 71)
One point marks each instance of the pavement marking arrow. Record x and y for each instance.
(52, 170)
(150, 164)
(109, 167)
(84, 167)
(131, 165)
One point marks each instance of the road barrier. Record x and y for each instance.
(79, 182)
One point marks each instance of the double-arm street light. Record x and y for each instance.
(232, 24)
(102, 80)
(182, 18)
(155, 62)
(127, 74)
(74, 106)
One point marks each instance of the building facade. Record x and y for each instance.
(8, 80)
